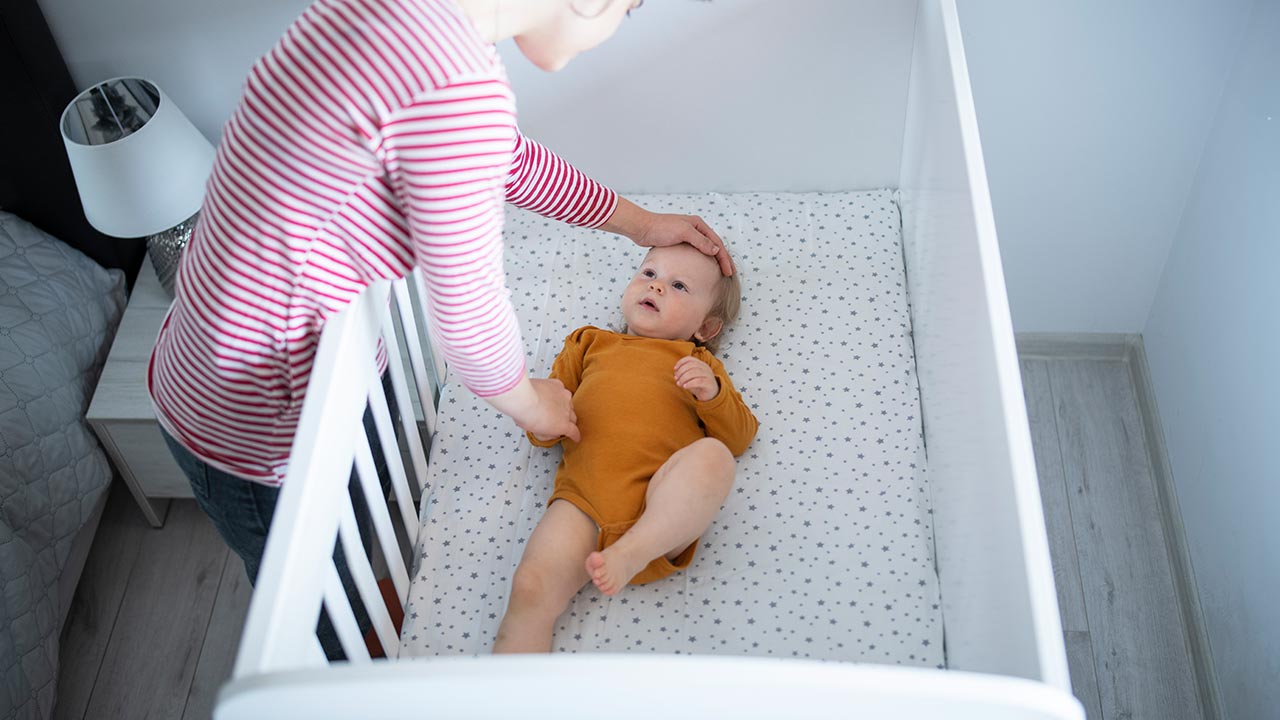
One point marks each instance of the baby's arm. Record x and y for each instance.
(567, 368)
(726, 415)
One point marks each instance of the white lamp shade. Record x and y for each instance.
(146, 181)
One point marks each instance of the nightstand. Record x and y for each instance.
(121, 411)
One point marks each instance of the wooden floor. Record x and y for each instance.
(157, 617)
(1126, 646)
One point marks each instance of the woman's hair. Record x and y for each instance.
(725, 309)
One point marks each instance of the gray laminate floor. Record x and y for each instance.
(157, 617)
(1126, 646)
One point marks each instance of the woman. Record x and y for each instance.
(375, 137)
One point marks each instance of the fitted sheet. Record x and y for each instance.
(824, 547)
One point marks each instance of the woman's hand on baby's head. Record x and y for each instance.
(697, 377)
(663, 229)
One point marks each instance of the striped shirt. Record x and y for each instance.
(375, 137)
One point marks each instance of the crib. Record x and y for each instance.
(982, 554)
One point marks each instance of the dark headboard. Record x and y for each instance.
(35, 177)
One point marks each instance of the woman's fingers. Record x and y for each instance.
(716, 244)
(671, 229)
(565, 401)
(555, 410)
(573, 433)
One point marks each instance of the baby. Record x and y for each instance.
(660, 424)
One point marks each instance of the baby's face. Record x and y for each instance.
(671, 293)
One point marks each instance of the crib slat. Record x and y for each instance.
(342, 617)
(436, 356)
(365, 582)
(423, 381)
(372, 488)
(409, 423)
(395, 468)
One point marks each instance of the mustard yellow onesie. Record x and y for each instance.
(633, 417)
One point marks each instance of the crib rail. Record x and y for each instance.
(317, 510)
(643, 687)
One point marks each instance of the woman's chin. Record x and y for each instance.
(543, 58)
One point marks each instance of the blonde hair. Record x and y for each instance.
(725, 309)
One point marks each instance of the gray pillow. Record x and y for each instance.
(58, 313)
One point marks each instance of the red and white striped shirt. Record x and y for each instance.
(376, 136)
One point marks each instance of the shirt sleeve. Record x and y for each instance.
(446, 157)
(726, 416)
(542, 182)
(567, 368)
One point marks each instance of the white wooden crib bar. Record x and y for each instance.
(1004, 644)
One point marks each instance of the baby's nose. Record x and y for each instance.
(655, 286)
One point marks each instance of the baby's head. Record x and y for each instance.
(679, 294)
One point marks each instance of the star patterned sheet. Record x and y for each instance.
(824, 547)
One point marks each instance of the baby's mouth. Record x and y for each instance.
(649, 304)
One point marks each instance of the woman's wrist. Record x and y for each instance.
(518, 403)
(628, 219)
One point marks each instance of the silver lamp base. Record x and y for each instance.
(165, 249)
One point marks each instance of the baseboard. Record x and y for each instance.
(1064, 346)
(1175, 535)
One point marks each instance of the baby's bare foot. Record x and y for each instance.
(612, 569)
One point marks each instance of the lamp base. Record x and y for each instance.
(165, 249)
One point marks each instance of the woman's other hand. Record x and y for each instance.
(541, 407)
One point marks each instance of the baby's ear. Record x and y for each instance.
(710, 328)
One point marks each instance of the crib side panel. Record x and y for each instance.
(999, 606)
(348, 423)
(280, 628)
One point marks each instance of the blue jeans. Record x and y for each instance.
(241, 511)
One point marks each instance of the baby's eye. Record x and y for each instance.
(678, 285)
(647, 273)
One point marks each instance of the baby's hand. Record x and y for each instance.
(696, 376)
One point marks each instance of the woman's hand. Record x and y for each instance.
(649, 229)
(696, 376)
(541, 407)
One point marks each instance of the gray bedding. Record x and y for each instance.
(58, 313)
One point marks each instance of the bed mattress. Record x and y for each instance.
(824, 547)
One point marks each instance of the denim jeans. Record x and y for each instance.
(241, 511)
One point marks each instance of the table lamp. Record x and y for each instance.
(140, 166)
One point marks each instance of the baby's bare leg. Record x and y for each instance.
(549, 575)
(683, 497)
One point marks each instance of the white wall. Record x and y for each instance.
(198, 51)
(732, 95)
(1094, 114)
(1214, 352)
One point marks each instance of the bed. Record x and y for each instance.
(906, 574)
(58, 313)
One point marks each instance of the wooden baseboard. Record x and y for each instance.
(1063, 346)
(1129, 348)
(1175, 535)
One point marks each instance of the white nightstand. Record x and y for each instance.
(121, 411)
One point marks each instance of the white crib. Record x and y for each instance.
(1004, 648)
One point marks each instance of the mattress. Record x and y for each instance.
(824, 547)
